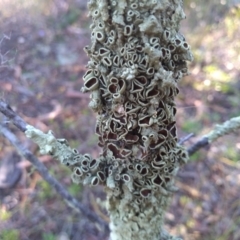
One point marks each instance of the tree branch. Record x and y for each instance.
(16, 120)
(185, 139)
(203, 142)
(70, 200)
(219, 130)
(57, 148)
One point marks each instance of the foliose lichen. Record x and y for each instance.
(137, 57)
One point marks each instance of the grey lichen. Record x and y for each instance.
(220, 130)
(85, 169)
(137, 58)
(48, 143)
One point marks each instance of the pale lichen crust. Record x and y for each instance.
(85, 169)
(220, 130)
(137, 58)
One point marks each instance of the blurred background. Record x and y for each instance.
(41, 67)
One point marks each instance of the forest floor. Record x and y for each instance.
(42, 64)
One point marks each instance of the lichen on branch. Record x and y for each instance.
(222, 129)
(85, 169)
(48, 144)
(137, 57)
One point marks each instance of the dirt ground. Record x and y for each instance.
(42, 64)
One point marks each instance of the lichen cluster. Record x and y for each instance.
(137, 58)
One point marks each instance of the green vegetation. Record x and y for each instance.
(231, 153)
(9, 235)
(4, 215)
(74, 189)
(49, 236)
(70, 17)
(196, 156)
(45, 191)
(191, 126)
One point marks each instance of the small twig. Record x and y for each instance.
(16, 120)
(198, 145)
(223, 129)
(71, 201)
(47, 142)
(219, 130)
(186, 138)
